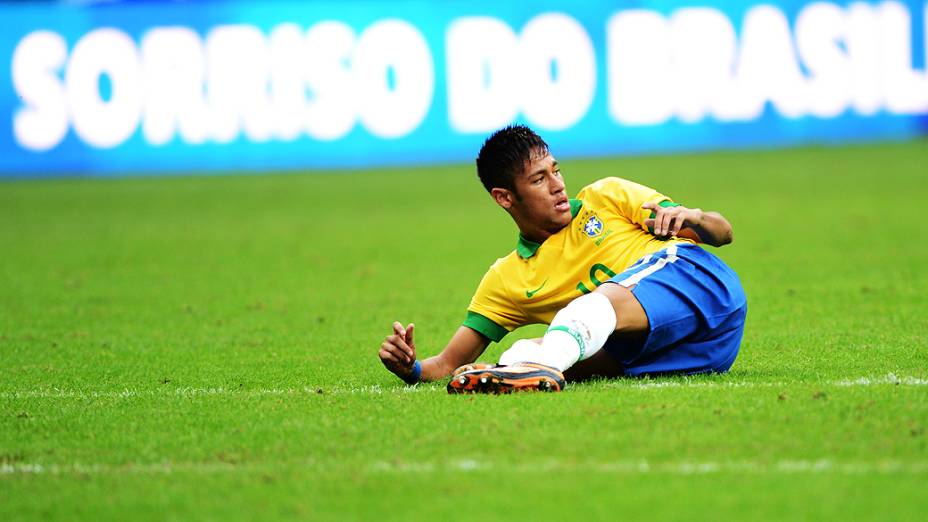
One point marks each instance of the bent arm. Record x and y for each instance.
(710, 228)
(463, 348)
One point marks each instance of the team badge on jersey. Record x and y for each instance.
(593, 227)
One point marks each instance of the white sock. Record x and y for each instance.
(580, 329)
(577, 332)
(524, 350)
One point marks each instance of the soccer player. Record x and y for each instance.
(616, 273)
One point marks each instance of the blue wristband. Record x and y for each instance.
(413, 377)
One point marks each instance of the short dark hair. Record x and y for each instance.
(504, 154)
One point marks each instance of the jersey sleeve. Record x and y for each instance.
(491, 312)
(628, 197)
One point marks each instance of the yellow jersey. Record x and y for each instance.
(606, 235)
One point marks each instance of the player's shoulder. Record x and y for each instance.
(508, 267)
(508, 262)
(500, 271)
(605, 187)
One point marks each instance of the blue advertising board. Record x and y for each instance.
(124, 88)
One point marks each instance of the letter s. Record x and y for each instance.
(37, 60)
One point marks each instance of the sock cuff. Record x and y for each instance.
(573, 333)
(589, 320)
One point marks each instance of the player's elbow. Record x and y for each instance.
(726, 237)
(721, 231)
(718, 237)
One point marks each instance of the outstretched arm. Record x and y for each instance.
(710, 228)
(398, 353)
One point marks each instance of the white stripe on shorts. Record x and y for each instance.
(635, 278)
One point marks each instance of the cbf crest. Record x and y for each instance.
(593, 227)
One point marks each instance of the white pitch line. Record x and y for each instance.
(60, 393)
(695, 382)
(640, 467)
(889, 379)
(886, 380)
(822, 466)
(157, 468)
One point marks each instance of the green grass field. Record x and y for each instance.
(204, 348)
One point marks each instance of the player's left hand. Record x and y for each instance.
(398, 351)
(668, 221)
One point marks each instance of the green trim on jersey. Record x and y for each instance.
(527, 249)
(575, 206)
(665, 204)
(485, 327)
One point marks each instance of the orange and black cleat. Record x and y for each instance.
(488, 378)
(473, 366)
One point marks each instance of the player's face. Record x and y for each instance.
(540, 201)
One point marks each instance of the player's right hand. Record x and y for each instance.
(398, 351)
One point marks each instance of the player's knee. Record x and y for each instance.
(629, 315)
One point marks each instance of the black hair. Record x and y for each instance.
(504, 154)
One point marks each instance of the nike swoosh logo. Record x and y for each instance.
(531, 293)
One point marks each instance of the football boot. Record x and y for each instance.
(506, 379)
(473, 366)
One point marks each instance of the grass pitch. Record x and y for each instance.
(205, 348)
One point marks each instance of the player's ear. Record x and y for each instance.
(503, 197)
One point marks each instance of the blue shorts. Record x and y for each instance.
(696, 310)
